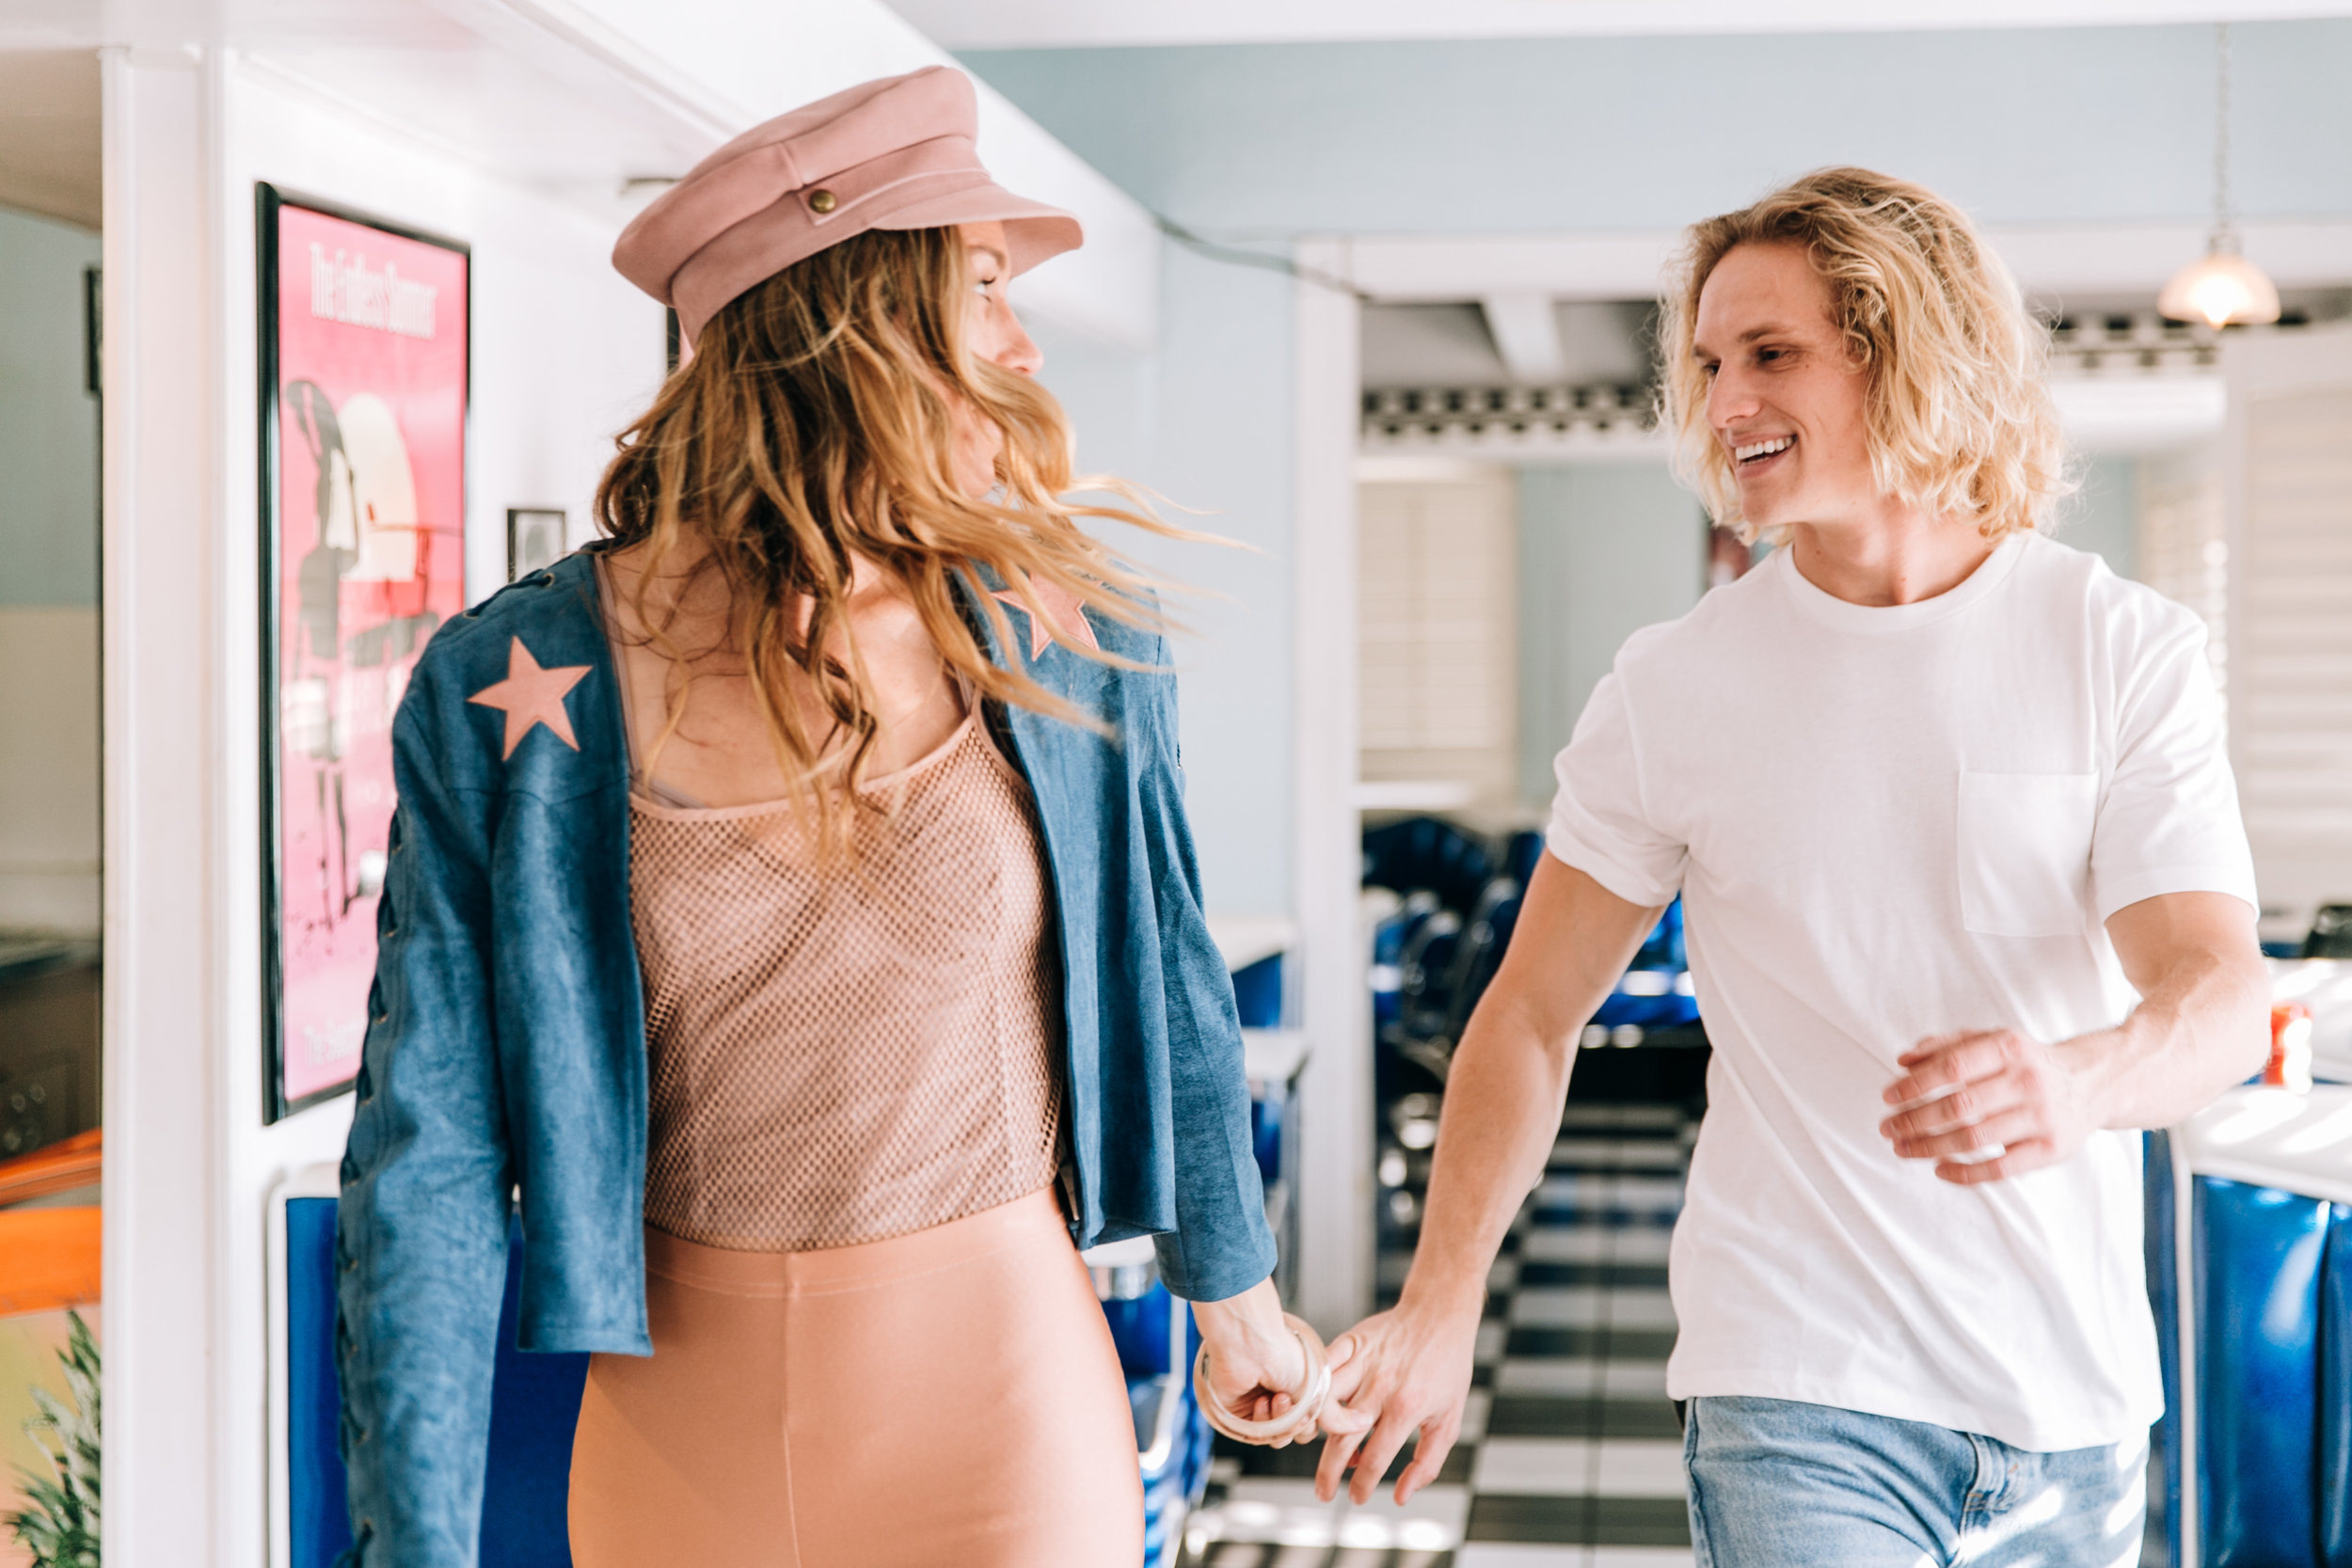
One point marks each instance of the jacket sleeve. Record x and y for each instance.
(1221, 1244)
(420, 1235)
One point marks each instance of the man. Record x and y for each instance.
(1939, 795)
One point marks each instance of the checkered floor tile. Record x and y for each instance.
(1570, 1454)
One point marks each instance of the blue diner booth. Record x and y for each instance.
(2250, 1253)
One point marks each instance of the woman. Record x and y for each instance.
(804, 873)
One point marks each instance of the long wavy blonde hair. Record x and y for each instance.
(812, 428)
(1959, 417)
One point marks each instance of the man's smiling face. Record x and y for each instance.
(1784, 397)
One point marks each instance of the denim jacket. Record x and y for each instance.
(506, 1044)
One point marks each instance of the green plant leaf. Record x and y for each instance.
(58, 1525)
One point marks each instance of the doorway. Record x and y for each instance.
(51, 950)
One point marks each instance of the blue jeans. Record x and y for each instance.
(1778, 1484)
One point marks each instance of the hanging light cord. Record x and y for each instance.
(2224, 224)
(1233, 256)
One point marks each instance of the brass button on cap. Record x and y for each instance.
(823, 201)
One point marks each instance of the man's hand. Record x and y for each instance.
(2011, 1103)
(2200, 1026)
(1408, 1369)
(1397, 1373)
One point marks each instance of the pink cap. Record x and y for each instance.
(894, 153)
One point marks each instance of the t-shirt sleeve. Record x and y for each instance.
(1599, 823)
(2168, 822)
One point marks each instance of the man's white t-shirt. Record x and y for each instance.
(1887, 824)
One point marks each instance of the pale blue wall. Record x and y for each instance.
(48, 419)
(2103, 516)
(2063, 125)
(1206, 422)
(1605, 549)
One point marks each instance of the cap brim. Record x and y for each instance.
(1036, 232)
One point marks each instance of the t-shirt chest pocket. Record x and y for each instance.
(2024, 852)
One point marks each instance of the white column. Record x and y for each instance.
(1335, 1191)
(163, 1000)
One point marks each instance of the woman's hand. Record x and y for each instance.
(1397, 1373)
(1257, 1367)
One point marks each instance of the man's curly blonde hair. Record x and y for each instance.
(1959, 421)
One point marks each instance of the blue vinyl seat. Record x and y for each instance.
(1156, 1341)
(1520, 855)
(1258, 992)
(1389, 941)
(1481, 950)
(535, 1404)
(1429, 852)
(1656, 991)
(2259, 1443)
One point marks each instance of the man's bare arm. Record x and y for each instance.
(1412, 1365)
(2203, 1020)
(1510, 1076)
(2202, 1023)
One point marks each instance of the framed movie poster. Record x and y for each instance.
(364, 335)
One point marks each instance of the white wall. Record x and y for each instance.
(2103, 515)
(49, 785)
(49, 711)
(1244, 412)
(48, 418)
(1217, 446)
(1605, 549)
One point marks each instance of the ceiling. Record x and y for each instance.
(1072, 24)
(1590, 342)
(49, 134)
(473, 78)
(591, 102)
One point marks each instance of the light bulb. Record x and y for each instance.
(2219, 289)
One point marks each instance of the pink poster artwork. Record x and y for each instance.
(370, 415)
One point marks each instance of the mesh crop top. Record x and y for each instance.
(845, 1058)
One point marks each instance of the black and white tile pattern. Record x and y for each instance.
(1570, 1455)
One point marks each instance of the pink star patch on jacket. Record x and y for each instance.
(1064, 620)
(530, 695)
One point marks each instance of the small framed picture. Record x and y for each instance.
(534, 540)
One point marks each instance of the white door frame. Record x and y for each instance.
(161, 633)
(1335, 1185)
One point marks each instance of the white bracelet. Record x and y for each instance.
(1294, 1425)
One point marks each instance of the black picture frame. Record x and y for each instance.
(269, 201)
(93, 331)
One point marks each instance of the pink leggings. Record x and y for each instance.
(950, 1397)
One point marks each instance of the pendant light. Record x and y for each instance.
(2224, 286)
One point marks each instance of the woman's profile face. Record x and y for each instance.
(991, 332)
